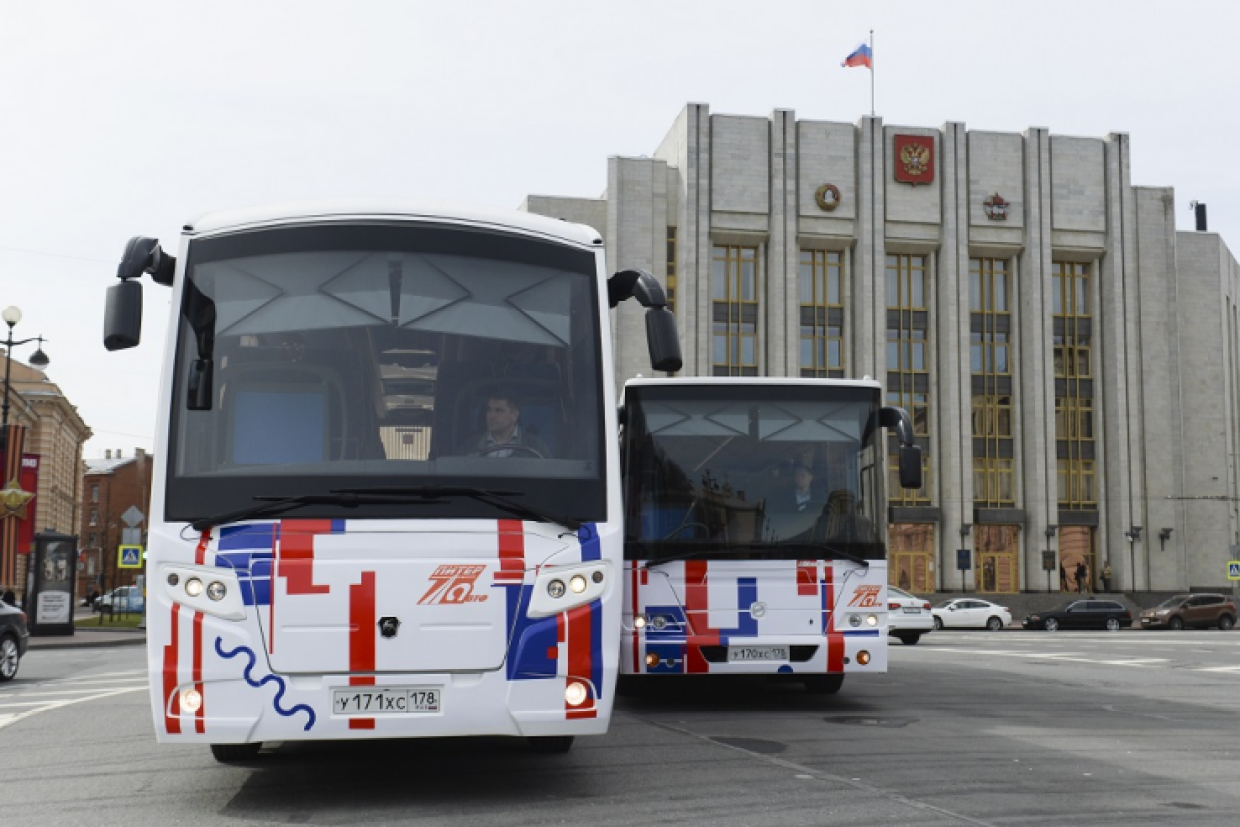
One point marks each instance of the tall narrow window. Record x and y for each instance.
(671, 269)
(908, 365)
(1074, 385)
(990, 357)
(734, 296)
(820, 281)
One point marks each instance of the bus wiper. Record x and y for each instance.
(686, 555)
(270, 506)
(491, 496)
(826, 552)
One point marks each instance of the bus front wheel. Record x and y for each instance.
(551, 744)
(230, 753)
(824, 684)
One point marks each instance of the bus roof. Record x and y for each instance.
(370, 209)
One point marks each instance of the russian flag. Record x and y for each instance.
(861, 56)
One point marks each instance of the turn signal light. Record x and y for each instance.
(652, 659)
(863, 657)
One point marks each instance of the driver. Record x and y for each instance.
(504, 436)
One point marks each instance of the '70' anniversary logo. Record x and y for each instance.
(453, 585)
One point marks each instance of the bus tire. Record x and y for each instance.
(550, 744)
(230, 753)
(823, 684)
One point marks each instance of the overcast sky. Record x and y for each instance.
(125, 118)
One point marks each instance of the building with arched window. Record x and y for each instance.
(1069, 359)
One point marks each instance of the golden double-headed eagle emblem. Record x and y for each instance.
(915, 158)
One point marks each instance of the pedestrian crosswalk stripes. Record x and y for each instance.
(25, 701)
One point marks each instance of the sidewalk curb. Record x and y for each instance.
(82, 642)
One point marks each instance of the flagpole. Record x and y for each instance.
(871, 73)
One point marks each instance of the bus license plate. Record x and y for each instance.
(386, 700)
(748, 654)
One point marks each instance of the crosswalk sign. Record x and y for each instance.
(129, 557)
(1233, 570)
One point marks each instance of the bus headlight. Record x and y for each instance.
(561, 588)
(871, 620)
(191, 701)
(639, 621)
(854, 621)
(213, 591)
(575, 694)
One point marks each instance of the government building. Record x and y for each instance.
(1069, 359)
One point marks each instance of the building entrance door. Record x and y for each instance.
(910, 555)
(1076, 558)
(997, 556)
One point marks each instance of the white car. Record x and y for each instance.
(971, 613)
(908, 616)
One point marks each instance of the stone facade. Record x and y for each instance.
(110, 487)
(55, 433)
(1161, 383)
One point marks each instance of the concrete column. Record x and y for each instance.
(953, 440)
(868, 323)
(1035, 377)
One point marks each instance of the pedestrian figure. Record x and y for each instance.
(1082, 577)
(1106, 577)
(1063, 578)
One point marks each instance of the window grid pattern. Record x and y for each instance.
(821, 297)
(734, 298)
(990, 357)
(1076, 469)
(908, 366)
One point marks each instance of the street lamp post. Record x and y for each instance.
(38, 359)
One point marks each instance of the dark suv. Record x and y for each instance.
(1194, 610)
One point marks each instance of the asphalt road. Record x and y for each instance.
(998, 728)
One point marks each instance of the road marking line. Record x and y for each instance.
(1218, 669)
(41, 694)
(14, 718)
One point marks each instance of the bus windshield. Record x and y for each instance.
(753, 472)
(315, 359)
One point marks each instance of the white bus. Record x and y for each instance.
(387, 502)
(755, 527)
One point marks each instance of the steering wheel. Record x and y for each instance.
(493, 449)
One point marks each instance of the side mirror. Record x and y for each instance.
(909, 456)
(122, 316)
(910, 466)
(662, 338)
(198, 396)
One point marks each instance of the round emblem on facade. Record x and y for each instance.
(827, 196)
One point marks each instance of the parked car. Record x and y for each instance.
(1193, 610)
(971, 613)
(14, 638)
(1082, 614)
(908, 616)
(122, 599)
